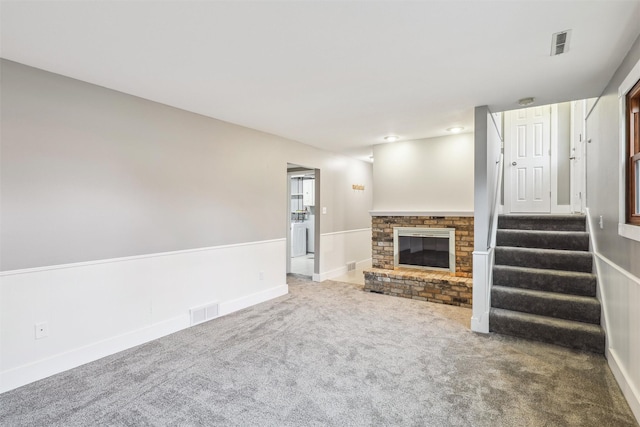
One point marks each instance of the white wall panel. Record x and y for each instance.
(620, 296)
(340, 248)
(98, 308)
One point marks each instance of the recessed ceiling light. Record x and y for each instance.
(526, 101)
(391, 138)
(455, 129)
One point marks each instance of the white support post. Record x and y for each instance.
(481, 294)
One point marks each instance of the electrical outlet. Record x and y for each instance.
(601, 223)
(261, 275)
(42, 330)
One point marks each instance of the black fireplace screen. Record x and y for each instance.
(424, 251)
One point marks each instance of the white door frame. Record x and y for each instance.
(555, 155)
(555, 208)
(316, 223)
(510, 120)
(578, 163)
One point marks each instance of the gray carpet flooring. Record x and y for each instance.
(330, 354)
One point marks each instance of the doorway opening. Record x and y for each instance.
(544, 159)
(527, 151)
(303, 225)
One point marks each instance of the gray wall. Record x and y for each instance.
(89, 173)
(603, 166)
(432, 174)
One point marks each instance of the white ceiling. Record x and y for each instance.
(338, 75)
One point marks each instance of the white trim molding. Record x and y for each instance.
(43, 368)
(625, 230)
(131, 258)
(553, 159)
(359, 230)
(95, 309)
(619, 294)
(629, 231)
(421, 213)
(482, 263)
(340, 248)
(341, 271)
(555, 208)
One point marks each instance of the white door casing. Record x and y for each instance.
(578, 152)
(527, 160)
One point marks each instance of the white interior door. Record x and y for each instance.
(528, 160)
(578, 161)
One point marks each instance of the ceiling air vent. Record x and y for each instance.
(560, 42)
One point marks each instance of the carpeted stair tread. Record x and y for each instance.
(550, 304)
(566, 333)
(543, 222)
(544, 239)
(543, 287)
(551, 259)
(566, 282)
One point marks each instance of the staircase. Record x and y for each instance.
(543, 286)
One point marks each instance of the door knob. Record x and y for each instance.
(514, 163)
(572, 158)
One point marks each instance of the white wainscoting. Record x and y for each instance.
(620, 298)
(619, 294)
(340, 248)
(95, 309)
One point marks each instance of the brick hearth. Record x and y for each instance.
(421, 285)
(425, 285)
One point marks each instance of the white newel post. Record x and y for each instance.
(479, 321)
(481, 294)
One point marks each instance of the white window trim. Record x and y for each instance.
(625, 230)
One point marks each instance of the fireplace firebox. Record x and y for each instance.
(425, 248)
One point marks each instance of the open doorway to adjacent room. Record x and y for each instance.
(303, 189)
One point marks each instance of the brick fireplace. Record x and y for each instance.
(435, 286)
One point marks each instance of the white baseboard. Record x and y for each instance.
(620, 366)
(365, 263)
(341, 271)
(339, 248)
(253, 299)
(618, 292)
(328, 275)
(628, 390)
(41, 369)
(98, 308)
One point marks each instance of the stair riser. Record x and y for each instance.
(583, 286)
(587, 312)
(580, 340)
(538, 223)
(567, 262)
(577, 242)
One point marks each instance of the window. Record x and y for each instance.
(632, 118)
(629, 172)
